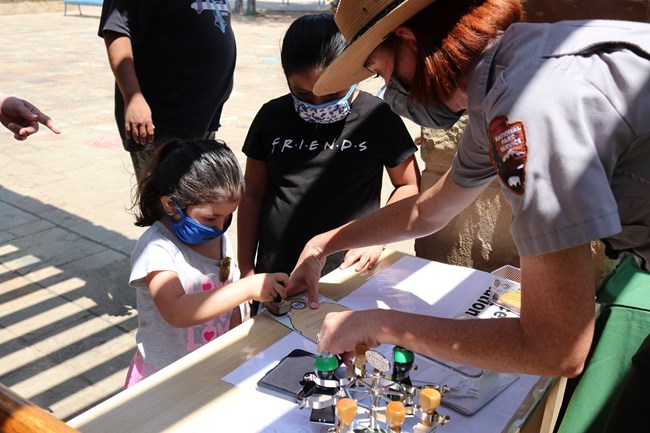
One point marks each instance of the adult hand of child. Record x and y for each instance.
(138, 120)
(22, 118)
(366, 257)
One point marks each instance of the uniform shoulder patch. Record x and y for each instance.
(509, 152)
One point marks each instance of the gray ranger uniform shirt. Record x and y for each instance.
(561, 114)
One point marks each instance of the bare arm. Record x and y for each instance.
(409, 218)
(552, 336)
(405, 178)
(182, 310)
(138, 122)
(248, 214)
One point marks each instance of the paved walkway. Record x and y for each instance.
(67, 315)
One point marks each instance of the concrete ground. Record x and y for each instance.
(67, 315)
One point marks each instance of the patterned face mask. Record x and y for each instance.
(328, 112)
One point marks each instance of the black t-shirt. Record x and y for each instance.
(184, 54)
(320, 175)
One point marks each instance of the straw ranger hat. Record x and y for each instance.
(364, 25)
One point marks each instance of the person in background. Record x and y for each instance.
(187, 284)
(558, 114)
(316, 162)
(22, 118)
(173, 63)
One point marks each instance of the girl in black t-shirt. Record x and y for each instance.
(316, 162)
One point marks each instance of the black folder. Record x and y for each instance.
(285, 380)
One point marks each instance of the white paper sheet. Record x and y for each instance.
(420, 286)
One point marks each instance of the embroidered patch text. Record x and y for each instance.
(509, 152)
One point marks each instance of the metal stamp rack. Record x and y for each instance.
(373, 400)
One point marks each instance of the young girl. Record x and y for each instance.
(188, 288)
(316, 162)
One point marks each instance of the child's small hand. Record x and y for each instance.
(268, 287)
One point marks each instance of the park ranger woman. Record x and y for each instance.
(558, 113)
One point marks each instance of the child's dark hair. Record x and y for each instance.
(192, 172)
(312, 41)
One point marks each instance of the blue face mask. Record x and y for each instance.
(193, 232)
(328, 112)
